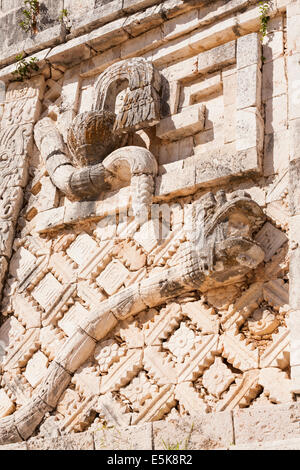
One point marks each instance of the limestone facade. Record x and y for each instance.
(149, 212)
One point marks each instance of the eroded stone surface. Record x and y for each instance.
(144, 237)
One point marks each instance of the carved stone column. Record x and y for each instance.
(21, 110)
(293, 68)
(294, 173)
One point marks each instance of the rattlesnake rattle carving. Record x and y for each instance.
(238, 255)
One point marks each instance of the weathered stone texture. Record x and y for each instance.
(149, 205)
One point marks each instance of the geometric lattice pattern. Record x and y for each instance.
(198, 353)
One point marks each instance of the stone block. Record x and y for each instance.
(292, 24)
(186, 68)
(214, 115)
(293, 69)
(142, 44)
(248, 51)
(81, 441)
(273, 46)
(98, 63)
(143, 21)
(48, 220)
(3, 269)
(165, 53)
(229, 124)
(179, 182)
(108, 35)
(294, 186)
(188, 122)
(294, 262)
(212, 138)
(249, 129)
(295, 352)
(217, 57)
(278, 188)
(295, 378)
(175, 151)
(294, 138)
(294, 279)
(103, 13)
(249, 87)
(287, 444)
(131, 6)
(49, 37)
(294, 233)
(229, 88)
(10, 34)
(71, 53)
(206, 169)
(270, 239)
(214, 35)
(274, 80)
(78, 7)
(207, 431)
(207, 86)
(8, 5)
(76, 211)
(170, 96)
(14, 447)
(49, 14)
(128, 438)
(266, 423)
(275, 153)
(46, 199)
(292, 9)
(208, 12)
(248, 20)
(276, 384)
(180, 24)
(70, 88)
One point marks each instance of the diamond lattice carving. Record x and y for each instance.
(196, 352)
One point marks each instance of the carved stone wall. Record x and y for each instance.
(149, 262)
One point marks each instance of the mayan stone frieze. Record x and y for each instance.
(149, 216)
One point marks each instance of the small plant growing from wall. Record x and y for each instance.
(25, 68)
(30, 12)
(63, 15)
(64, 19)
(264, 18)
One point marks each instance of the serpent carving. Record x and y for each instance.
(220, 249)
(97, 160)
(227, 252)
